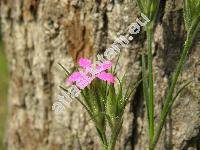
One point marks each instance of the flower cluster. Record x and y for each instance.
(88, 74)
(81, 79)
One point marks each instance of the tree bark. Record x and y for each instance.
(39, 34)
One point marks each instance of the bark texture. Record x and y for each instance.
(39, 34)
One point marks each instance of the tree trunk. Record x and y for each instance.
(39, 34)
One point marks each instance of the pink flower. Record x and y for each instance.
(84, 78)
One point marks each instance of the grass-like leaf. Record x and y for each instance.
(150, 9)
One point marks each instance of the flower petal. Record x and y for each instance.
(83, 62)
(73, 77)
(106, 77)
(104, 66)
(82, 83)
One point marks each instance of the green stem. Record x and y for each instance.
(102, 140)
(105, 147)
(145, 84)
(151, 87)
(169, 98)
(115, 132)
(112, 143)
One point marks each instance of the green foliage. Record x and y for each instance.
(192, 24)
(149, 8)
(191, 12)
(106, 104)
